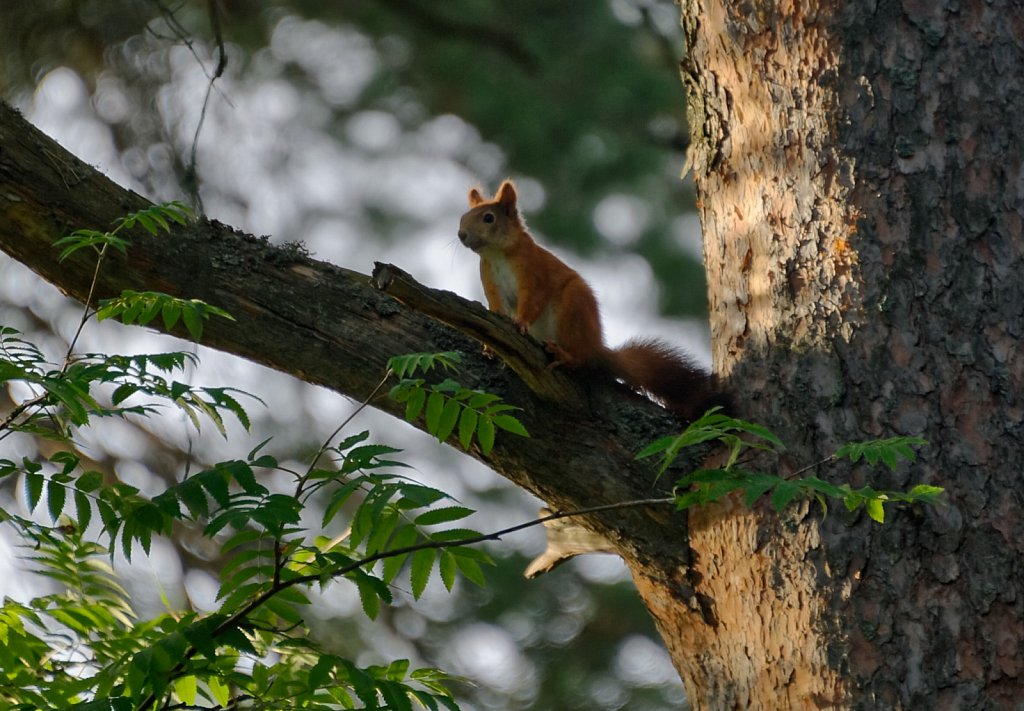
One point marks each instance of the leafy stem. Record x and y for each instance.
(151, 219)
(278, 585)
(88, 305)
(17, 411)
(448, 407)
(738, 436)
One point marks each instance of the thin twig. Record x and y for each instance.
(327, 442)
(809, 467)
(13, 415)
(191, 178)
(88, 305)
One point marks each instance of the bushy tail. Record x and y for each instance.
(667, 375)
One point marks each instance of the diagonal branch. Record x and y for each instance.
(332, 326)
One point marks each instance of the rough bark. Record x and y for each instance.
(859, 171)
(337, 328)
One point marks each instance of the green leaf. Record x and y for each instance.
(784, 494)
(147, 222)
(458, 535)
(72, 395)
(448, 387)
(369, 598)
(449, 418)
(383, 525)
(442, 515)
(56, 494)
(448, 568)
(170, 312)
(404, 537)
(80, 239)
(756, 487)
(89, 481)
(889, 451)
(875, 510)
(714, 426)
(401, 365)
(395, 697)
(214, 481)
(284, 610)
(485, 434)
(479, 400)
(414, 405)
(366, 457)
(186, 687)
(824, 487)
(422, 495)
(143, 306)
(435, 407)
(242, 473)
(190, 492)
(926, 493)
(510, 424)
(658, 446)
(83, 510)
(362, 683)
(135, 304)
(123, 392)
(420, 567)
(406, 365)
(338, 499)
(193, 322)
(468, 566)
(251, 456)
(68, 461)
(320, 673)
(220, 691)
(33, 490)
(178, 212)
(467, 426)
(155, 217)
(152, 308)
(111, 521)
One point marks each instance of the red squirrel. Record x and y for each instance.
(548, 299)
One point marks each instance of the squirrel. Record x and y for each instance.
(548, 299)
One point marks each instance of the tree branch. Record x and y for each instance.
(335, 327)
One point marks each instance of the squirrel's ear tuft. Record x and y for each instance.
(475, 198)
(506, 197)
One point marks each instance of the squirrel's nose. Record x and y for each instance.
(463, 236)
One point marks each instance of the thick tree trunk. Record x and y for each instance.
(859, 167)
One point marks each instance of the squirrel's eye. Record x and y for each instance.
(488, 217)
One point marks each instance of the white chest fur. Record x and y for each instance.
(544, 328)
(505, 279)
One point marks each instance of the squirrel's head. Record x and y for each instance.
(494, 223)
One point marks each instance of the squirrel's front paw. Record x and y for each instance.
(559, 356)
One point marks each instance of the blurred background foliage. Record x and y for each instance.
(356, 128)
